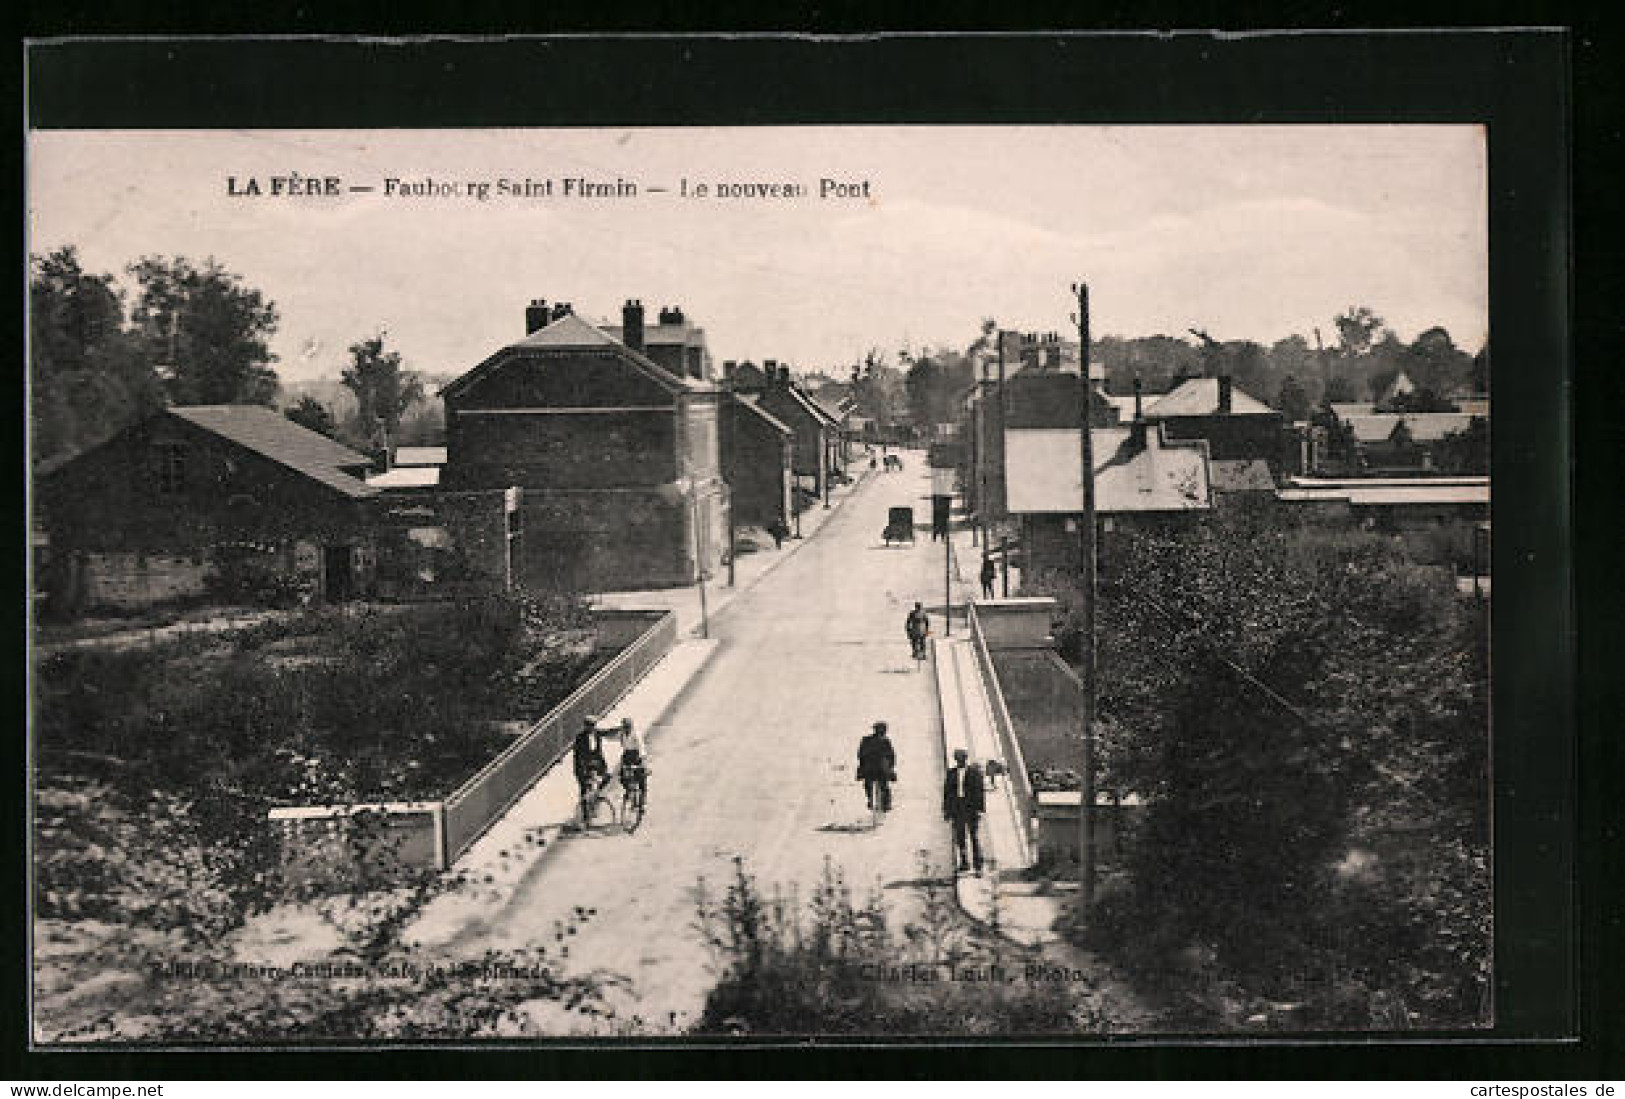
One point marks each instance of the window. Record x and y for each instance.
(171, 468)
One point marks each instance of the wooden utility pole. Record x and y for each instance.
(1086, 581)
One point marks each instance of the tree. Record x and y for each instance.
(1314, 707)
(1465, 452)
(1357, 329)
(312, 414)
(205, 331)
(384, 391)
(87, 381)
(1292, 400)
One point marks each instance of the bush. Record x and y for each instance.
(1305, 715)
(838, 966)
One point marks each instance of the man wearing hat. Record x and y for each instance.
(963, 802)
(587, 755)
(877, 767)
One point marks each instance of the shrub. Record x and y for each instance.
(836, 965)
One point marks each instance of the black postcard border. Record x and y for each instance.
(1515, 82)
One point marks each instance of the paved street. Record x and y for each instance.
(757, 760)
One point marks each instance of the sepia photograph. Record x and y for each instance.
(730, 583)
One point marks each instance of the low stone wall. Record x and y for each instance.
(337, 842)
(328, 843)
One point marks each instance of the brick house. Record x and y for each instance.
(816, 435)
(756, 457)
(1237, 426)
(192, 496)
(616, 456)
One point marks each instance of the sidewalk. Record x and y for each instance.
(1025, 912)
(520, 841)
(749, 569)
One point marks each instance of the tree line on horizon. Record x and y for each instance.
(103, 357)
(1294, 375)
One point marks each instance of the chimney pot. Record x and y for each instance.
(536, 315)
(632, 324)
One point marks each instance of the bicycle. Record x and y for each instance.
(592, 796)
(634, 797)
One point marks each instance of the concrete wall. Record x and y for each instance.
(1016, 623)
(336, 844)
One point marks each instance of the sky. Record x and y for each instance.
(1246, 232)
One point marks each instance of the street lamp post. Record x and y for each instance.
(1086, 551)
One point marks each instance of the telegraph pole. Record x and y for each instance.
(1086, 581)
(1004, 473)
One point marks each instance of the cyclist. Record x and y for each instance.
(877, 767)
(918, 628)
(587, 756)
(634, 767)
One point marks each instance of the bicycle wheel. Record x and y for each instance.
(632, 806)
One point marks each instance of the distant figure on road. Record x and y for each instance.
(877, 767)
(587, 755)
(779, 532)
(918, 628)
(990, 572)
(963, 802)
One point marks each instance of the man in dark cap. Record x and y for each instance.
(587, 756)
(877, 767)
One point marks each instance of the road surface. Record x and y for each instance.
(757, 760)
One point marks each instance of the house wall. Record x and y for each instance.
(758, 463)
(120, 538)
(1251, 436)
(808, 447)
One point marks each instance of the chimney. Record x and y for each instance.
(1224, 394)
(632, 324)
(728, 366)
(536, 315)
(561, 309)
(1136, 431)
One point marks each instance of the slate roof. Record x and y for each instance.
(752, 402)
(270, 434)
(1163, 475)
(1200, 397)
(570, 332)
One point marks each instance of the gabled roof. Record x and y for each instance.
(571, 333)
(812, 406)
(272, 435)
(1042, 471)
(1200, 397)
(568, 331)
(752, 402)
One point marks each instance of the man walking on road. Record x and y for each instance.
(990, 572)
(963, 802)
